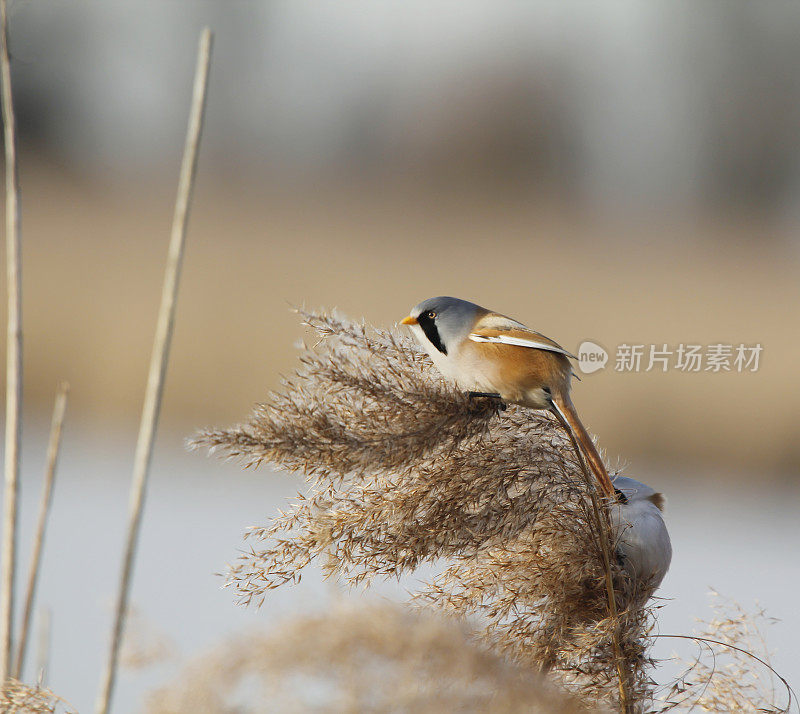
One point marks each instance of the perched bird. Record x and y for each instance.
(639, 532)
(489, 354)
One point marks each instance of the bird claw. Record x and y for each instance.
(489, 395)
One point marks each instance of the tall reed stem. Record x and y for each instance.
(158, 363)
(53, 445)
(603, 525)
(13, 355)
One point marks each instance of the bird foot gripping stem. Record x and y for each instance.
(494, 396)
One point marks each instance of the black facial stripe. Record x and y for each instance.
(429, 328)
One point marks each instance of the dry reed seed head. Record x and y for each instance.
(377, 658)
(731, 671)
(16, 697)
(144, 644)
(405, 469)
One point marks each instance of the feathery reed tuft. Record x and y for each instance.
(18, 697)
(404, 469)
(731, 671)
(377, 659)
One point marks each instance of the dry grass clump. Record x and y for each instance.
(731, 671)
(374, 659)
(404, 469)
(144, 644)
(18, 697)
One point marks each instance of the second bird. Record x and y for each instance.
(486, 352)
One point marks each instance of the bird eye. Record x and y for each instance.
(431, 314)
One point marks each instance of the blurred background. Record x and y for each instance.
(621, 172)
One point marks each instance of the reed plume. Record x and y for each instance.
(377, 659)
(732, 670)
(24, 699)
(404, 470)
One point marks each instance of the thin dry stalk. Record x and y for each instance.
(53, 445)
(159, 359)
(405, 470)
(13, 354)
(603, 524)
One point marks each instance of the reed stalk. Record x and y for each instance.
(53, 446)
(603, 525)
(13, 354)
(158, 364)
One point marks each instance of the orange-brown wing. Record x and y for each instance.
(518, 337)
(534, 363)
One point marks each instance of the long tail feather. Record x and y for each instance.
(564, 409)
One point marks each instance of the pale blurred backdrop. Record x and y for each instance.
(621, 172)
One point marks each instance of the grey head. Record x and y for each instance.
(445, 321)
(636, 490)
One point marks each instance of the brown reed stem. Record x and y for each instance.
(53, 445)
(604, 532)
(158, 362)
(602, 520)
(13, 354)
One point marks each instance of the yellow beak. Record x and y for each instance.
(409, 321)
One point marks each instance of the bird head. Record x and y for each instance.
(441, 323)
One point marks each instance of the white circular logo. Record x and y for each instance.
(591, 357)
